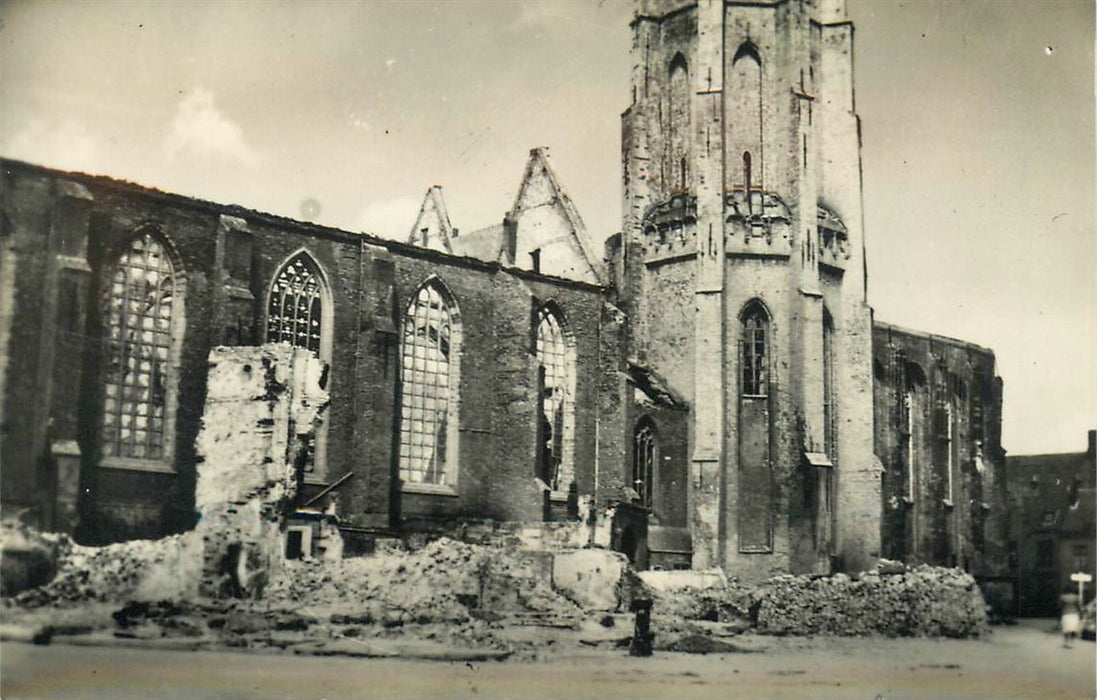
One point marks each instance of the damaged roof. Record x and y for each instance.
(654, 387)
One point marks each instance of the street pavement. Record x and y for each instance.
(1025, 661)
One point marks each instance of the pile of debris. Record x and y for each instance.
(28, 558)
(922, 601)
(891, 600)
(445, 581)
(144, 570)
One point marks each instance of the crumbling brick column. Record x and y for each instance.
(263, 407)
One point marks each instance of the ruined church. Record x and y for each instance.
(709, 386)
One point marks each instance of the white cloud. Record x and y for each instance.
(66, 145)
(390, 218)
(199, 129)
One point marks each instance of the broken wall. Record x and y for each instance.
(938, 412)
(263, 409)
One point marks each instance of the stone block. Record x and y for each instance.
(590, 577)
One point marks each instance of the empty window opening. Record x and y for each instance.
(911, 456)
(554, 355)
(645, 452)
(428, 380)
(140, 306)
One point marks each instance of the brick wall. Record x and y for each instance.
(227, 259)
(928, 517)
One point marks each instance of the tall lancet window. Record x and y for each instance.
(299, 313)
(143, 309)
(677, 149)
(556, 357)
(755, 380)
(830, 408)
(755, 488)
(429, 373)
(826, 516)
(745, 100)
(645, 455)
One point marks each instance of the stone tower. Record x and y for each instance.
(742, 268)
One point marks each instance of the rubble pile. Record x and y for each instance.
(922, 601)
(728, 603)
(28, 558)
(445, 581)
(164, 569)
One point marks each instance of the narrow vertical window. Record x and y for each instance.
(755, 380)
(645, 451)
(557, 364)
(947, 438)
(830, 431)
(142, 307)
(745, 122)
(429, 382)
(755, 478)
(908, 430)
(677, 146)
(830, 419)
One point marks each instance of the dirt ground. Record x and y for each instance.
(1025, 661)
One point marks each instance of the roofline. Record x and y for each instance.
(1049, 455)
(125, 186)
(932, 336)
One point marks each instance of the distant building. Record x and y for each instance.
(1053, 502)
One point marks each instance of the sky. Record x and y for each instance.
(977, 139)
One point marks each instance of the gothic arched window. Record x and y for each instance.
(745, 102)
(299, 312)
(429, 372)
(830, 398)
(142, 316)
(754, 366)
(677, 149)
(555, 356)
(295, 309)
(645, 453)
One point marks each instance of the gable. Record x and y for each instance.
(432, 227)
(549, 233)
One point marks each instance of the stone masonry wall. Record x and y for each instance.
(263, 408)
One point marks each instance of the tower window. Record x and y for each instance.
(754, 370)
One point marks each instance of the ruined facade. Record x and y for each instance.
(120, 293)
(706, 386)
(938, 412)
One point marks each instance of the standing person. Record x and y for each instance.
(1071, 618)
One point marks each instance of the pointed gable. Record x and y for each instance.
(544, 229)
(432, 228)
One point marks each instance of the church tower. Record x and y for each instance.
(742, 269)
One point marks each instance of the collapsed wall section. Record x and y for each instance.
(263, 409)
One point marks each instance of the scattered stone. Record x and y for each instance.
(703, 644)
